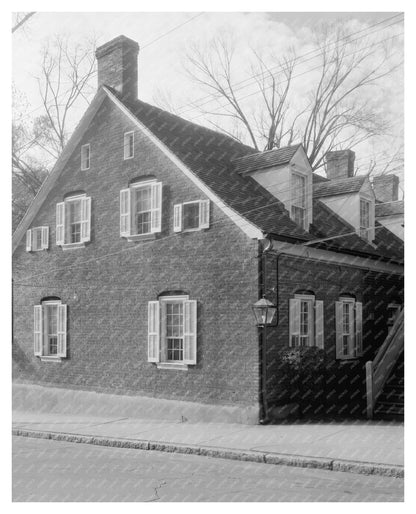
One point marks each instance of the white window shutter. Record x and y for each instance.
(45, 238)
(37, 330)
(319, 324)
(177, 217)
(29, 241)
(204, 213)
(358, 328)
(60, 223)
(156, 207)
(338, 330)
(190, 331)
(153, 332)
(85, 219)
(294, 321)
(125, 217)
(62, 330)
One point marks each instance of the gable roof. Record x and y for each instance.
(262, 160)
(341, 186)
(389, 208)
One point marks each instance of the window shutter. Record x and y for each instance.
(294, 321)
(85, 219)
(319, 324)
(358, 328)
(177, 217)
(60, 223)
(62, 330)
(156, 206)
(125, 218)
(37, 330)
(338, 330)
(190, 331)
(204, 214)
(45, 238)
(29, 240)
(153, 332)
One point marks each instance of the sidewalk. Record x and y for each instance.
(355, 446)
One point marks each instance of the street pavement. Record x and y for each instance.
(47, 470)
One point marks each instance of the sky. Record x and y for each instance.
(165, 37)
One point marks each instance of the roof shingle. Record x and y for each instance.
(262, 160)
(389, 209)
(338, 187)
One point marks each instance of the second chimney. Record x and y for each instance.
(340, 164)
(117, 66)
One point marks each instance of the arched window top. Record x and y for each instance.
(304, 292)
(71, 194)
(144, 178)
(50, 299)
(172, 293)
(347, 296)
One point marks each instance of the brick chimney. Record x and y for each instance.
(117, 66)
(386, 188)
(340, 164)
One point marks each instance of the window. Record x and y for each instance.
(364, 218)
(348, 320)
(128, 145)
(190, 216)
(37, 239)
(85, 157)
(298, 200)
(50, 321)
(306, 321)
(172, 331)
(73, 221)
(141, 209)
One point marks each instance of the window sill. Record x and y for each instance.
(72, 246)
(50, 358)
(141, 237)
(37, 250)
(172, 365)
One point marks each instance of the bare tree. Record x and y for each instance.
(65, 79)
(336, 113)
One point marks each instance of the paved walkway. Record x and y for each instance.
(360, 446)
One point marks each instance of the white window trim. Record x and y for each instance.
(126, 158)
(316, 325)
(50, 358)
(83, 168)
(352, 354)
(148, 235)
(80, 244)
(307, 192)
(41, 229)
(196, 229)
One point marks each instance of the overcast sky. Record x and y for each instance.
(165, 37)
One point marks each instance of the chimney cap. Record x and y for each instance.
(119, 41)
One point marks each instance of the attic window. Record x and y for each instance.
(128, 145)
(364, 218)
(85, 157)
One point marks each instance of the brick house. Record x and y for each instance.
(137, 265)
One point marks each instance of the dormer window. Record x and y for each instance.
(364, 218)
(298, 199)
(85, 157)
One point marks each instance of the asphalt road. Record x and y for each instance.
(45, 470)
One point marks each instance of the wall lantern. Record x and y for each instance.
(264, 312)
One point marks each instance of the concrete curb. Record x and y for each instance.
(365, 468)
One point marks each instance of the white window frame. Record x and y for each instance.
(295, 203)
(31, 238)
(127, 215)
(157, 331)
(349, 344)
(365, 228)
(126, 145)
(315, 332)
(203, 216)
(85, 159)
(85, 222)
(41, 335)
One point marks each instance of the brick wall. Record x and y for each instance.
(108, 284)
(342, 384)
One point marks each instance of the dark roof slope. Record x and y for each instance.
(389, 209)
(209, 155)
(388, 243)
(317, 179)
(338, 187)
(262, 160)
